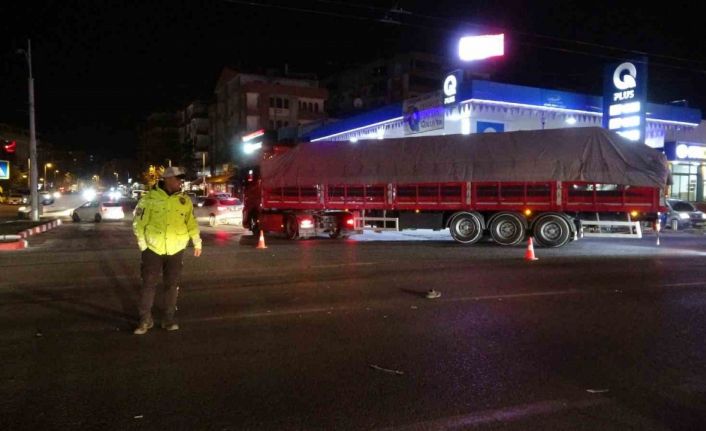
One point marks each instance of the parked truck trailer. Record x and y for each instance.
(550, 184)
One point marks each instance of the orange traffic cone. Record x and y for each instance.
(529, 254)
(261, 242)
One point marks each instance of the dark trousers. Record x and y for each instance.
(154, 267)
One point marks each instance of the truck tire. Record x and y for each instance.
(466, 228)
(507, 229)
(551, 230)
(291, 229)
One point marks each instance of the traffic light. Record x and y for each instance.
(10, 147)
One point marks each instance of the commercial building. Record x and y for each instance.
(482, 106)
(246, 102)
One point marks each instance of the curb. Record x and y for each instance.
(21, 242)
(14, 245)
(39, 229)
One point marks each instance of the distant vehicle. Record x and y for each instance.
(681, 215)
(219, 211)
(46, 198)
(137, 194)
(15, 199)
(220, 195)
(98, 211)
(194, 197)
(24, 211)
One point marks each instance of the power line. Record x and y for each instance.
(405, 13)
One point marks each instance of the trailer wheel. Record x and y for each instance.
(466, 228)
(291, 228)
(507, 229)
(551, 231)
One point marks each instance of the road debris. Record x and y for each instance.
(387, 370)
(433, 294)
(597, 391)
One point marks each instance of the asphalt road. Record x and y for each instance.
(324, 334)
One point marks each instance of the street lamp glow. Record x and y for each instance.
(249, 148)
(481, 47)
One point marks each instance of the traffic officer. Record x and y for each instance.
(163, 224)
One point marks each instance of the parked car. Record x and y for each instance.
(98, 211)
(15, 199)
(682, 214)
(219, 211)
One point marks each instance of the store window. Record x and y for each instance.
(684, 178)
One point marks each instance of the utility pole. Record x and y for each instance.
(33, 168)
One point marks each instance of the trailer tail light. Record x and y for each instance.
(528, 212)
(634, 213)
(306, 223)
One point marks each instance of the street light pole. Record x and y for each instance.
(203, 172)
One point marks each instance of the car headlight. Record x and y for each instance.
(683, 216)
(22, 209)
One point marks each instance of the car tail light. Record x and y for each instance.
(350, 222)
(306, 223)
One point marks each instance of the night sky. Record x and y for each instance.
(101, 66)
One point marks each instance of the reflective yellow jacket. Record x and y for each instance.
(164, 223)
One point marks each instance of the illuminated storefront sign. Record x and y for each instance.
(251, 143)
(450, 86)
(480, 47)
(423, 113)
(624, 91)
(452, 83)
(684, 151)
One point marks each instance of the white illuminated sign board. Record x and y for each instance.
(623, 99)
(683, 151)
(472, 48)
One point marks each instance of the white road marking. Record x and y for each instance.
(503, 415)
